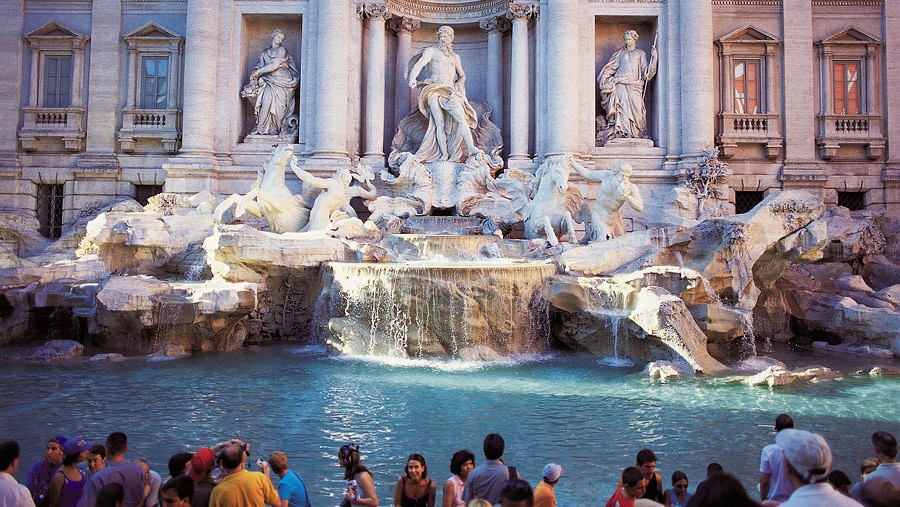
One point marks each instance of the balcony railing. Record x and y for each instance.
(836, 130)
(66, 124)
(162, 125)
(736, 129)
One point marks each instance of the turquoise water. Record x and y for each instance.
(574, 410)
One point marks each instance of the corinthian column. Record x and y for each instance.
(402, 96)
(518, 114)
(494, 28)
(698, 111)
(200, 52)
(332, 85)
(374, 134)
(560, 20)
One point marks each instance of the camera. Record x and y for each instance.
(261, 463)
(354, 487)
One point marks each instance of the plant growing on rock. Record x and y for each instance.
(705, 179)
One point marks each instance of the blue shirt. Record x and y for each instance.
(292, 489)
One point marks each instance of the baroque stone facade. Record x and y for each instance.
(111, 98)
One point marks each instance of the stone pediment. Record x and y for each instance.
(851, 35)
(749, 34)
(152, 31)
(448, 11)
(53, 30)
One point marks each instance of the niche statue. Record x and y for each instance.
(623, 83)
(272, 88)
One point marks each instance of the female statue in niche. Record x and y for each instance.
(272, 88)
(623, 83)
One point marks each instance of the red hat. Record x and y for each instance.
(201, 464)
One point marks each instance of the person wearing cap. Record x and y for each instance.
(200, 471)
(68, 483)
(773, 481)
(291, 487)
(118, 471)
(808, 461)
(886, 454)
(544, 496)
(12, 494)
(41, 472)
(241, 487)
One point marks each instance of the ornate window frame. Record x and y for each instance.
(154, 125)
(64, 123)
(835, 128)
(749, 44)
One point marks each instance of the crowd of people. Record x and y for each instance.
(795, 471)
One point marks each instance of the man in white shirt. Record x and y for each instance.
(773, 480)
(12, 494)
(886, 454)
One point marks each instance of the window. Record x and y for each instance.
(851, 96)
(846, 88)
(852, 200)
(50, 209)
(746, 87)
(745, 201)
(154, 82)
(143, 193)
(57, 80)
(749, 93)
(151, 120)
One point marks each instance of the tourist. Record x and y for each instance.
(360, 484)
(544, 495)
(110, 495)
(41, 472)
(773, 478)
(886, 453)
(516, 493)
(866, 466)
(291, 487)
(461, 465)
(119, 471)
(12, 494)
(839, 481)
(646, 463)
(677, 495)
(68, 483)
(96, 460)
(478, 502)
(442, 100)
(177, 491)
(178, 464)
(633, 486)
(200, 471)
(880, 492)
(719, 490)
(414, 488)
(808, 461)
(486, 480)
(623, 82)
(711, 469)
(152, 483)
(240, 487)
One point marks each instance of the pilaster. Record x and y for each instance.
(375, 12)
(561, 63)
(520, 13)
(332, 87)
(11, 90)
(403, 27)
(494, 28)
(697, 93)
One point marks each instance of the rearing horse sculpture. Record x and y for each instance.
(552, 203)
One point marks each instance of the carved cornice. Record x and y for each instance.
(449, 11)
(499, 24)
(397, 24)
(523, 10)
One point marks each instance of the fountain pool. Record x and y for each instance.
(589, 415)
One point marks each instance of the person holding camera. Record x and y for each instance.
(240, 487)
(360, 485)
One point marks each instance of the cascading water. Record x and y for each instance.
(436, 307)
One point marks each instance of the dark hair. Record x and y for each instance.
(69, 459)
(714, 468)
(517, 490)
(631, 476)
(721, 489)
(783, 421)
(645, 456)
(9, 451)
(349, 456)
(677, 475)
(493, 446)
(885, 443)
(420, 459)
(177, 463)
(182, 484)
(116, 443)
(839, 479)
(879, 492)
(98, 449)
(110, 495)
(459, 459)
(232, 455)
